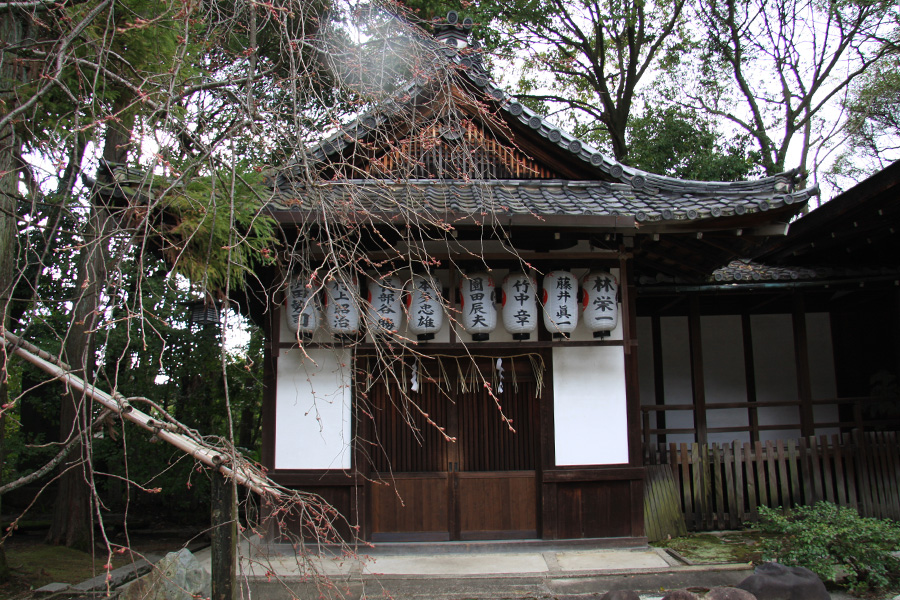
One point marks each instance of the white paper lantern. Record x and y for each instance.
(341, 307)
(423, 301)
(479, 314)
(385, 309)
(601, 308)
(560, 298)
(519, 299)
(301, 308)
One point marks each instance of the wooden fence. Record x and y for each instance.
(723, 486)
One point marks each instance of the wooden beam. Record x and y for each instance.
(750, 376)
(659, 380)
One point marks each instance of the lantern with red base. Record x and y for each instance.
(384, 310)
(519, 300)
(560, 298)
(479, 314)
(424, 311)
(301, 307)
(601, 308)
(341, 307)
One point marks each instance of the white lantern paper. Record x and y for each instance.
(519, 299)
(385, 310)
(560, 297)
(423, 301)
(479, 314)
(601, 308)
(341, 308)
(301, 307)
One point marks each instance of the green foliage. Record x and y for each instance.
(218, 233)
(830, 540)
(680, 143)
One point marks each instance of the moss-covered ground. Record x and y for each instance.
(718, 547)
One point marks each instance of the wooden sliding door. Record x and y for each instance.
(453, 460)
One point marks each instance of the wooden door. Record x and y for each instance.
(445, 462)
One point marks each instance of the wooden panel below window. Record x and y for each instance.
(412, 508)
(593, 509)
(497, 505)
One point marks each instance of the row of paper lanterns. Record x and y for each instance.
(563, 299)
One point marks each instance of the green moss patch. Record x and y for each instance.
(716, 548)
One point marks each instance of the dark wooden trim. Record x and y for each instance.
(270, 375)
(611, 473)
(547, 457)
(697, 383)
(801, 358)
(471, 347)
(315, 478)
(637, 508)
(632, 383)
(659, 376)
(520, 534)
(549, 526)
(426, 536)
(750, 376)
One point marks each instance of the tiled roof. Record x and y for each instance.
(541, 197)
(645, 196)
(741, 270)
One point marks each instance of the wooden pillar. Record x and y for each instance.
(698, 385)
(750, 376)
(801, 358)
(632, 385)
(659, 378)
(224, 538)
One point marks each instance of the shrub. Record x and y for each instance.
(832, 541)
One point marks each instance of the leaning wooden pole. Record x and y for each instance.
(218, 458)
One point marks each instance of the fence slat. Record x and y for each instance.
(840, 479)
(761, 487)
(717, 485)
(783, 475)
(794, 466)
(688, 499)
(771, 475)
(751, 486)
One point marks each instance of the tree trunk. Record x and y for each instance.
(72, 516)
(12, 31)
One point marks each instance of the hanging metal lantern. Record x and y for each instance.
(560, 299)
(519, 299)
(203, 312)
(601, 308)
(301, 308)
(385, 310)
(479, 314)
(341, 307)
(423, 302)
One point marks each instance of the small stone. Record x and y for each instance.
(680, 595)
(729, 593)
(52, 588)
(620, 595)
(774, 581)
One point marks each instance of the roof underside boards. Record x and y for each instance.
(857, 229)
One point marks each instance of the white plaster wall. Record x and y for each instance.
(724, 375)
(589, 405)
(776, 373)
(821, 369)
(676, 357)
(312, 409)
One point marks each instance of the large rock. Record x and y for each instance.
(620, 595)
(728, 593)
(679, 595)
(774, 581)
(178, 576)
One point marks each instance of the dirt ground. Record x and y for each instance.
(35, 564)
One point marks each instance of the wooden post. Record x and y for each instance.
(697, 371)
(224, 538)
